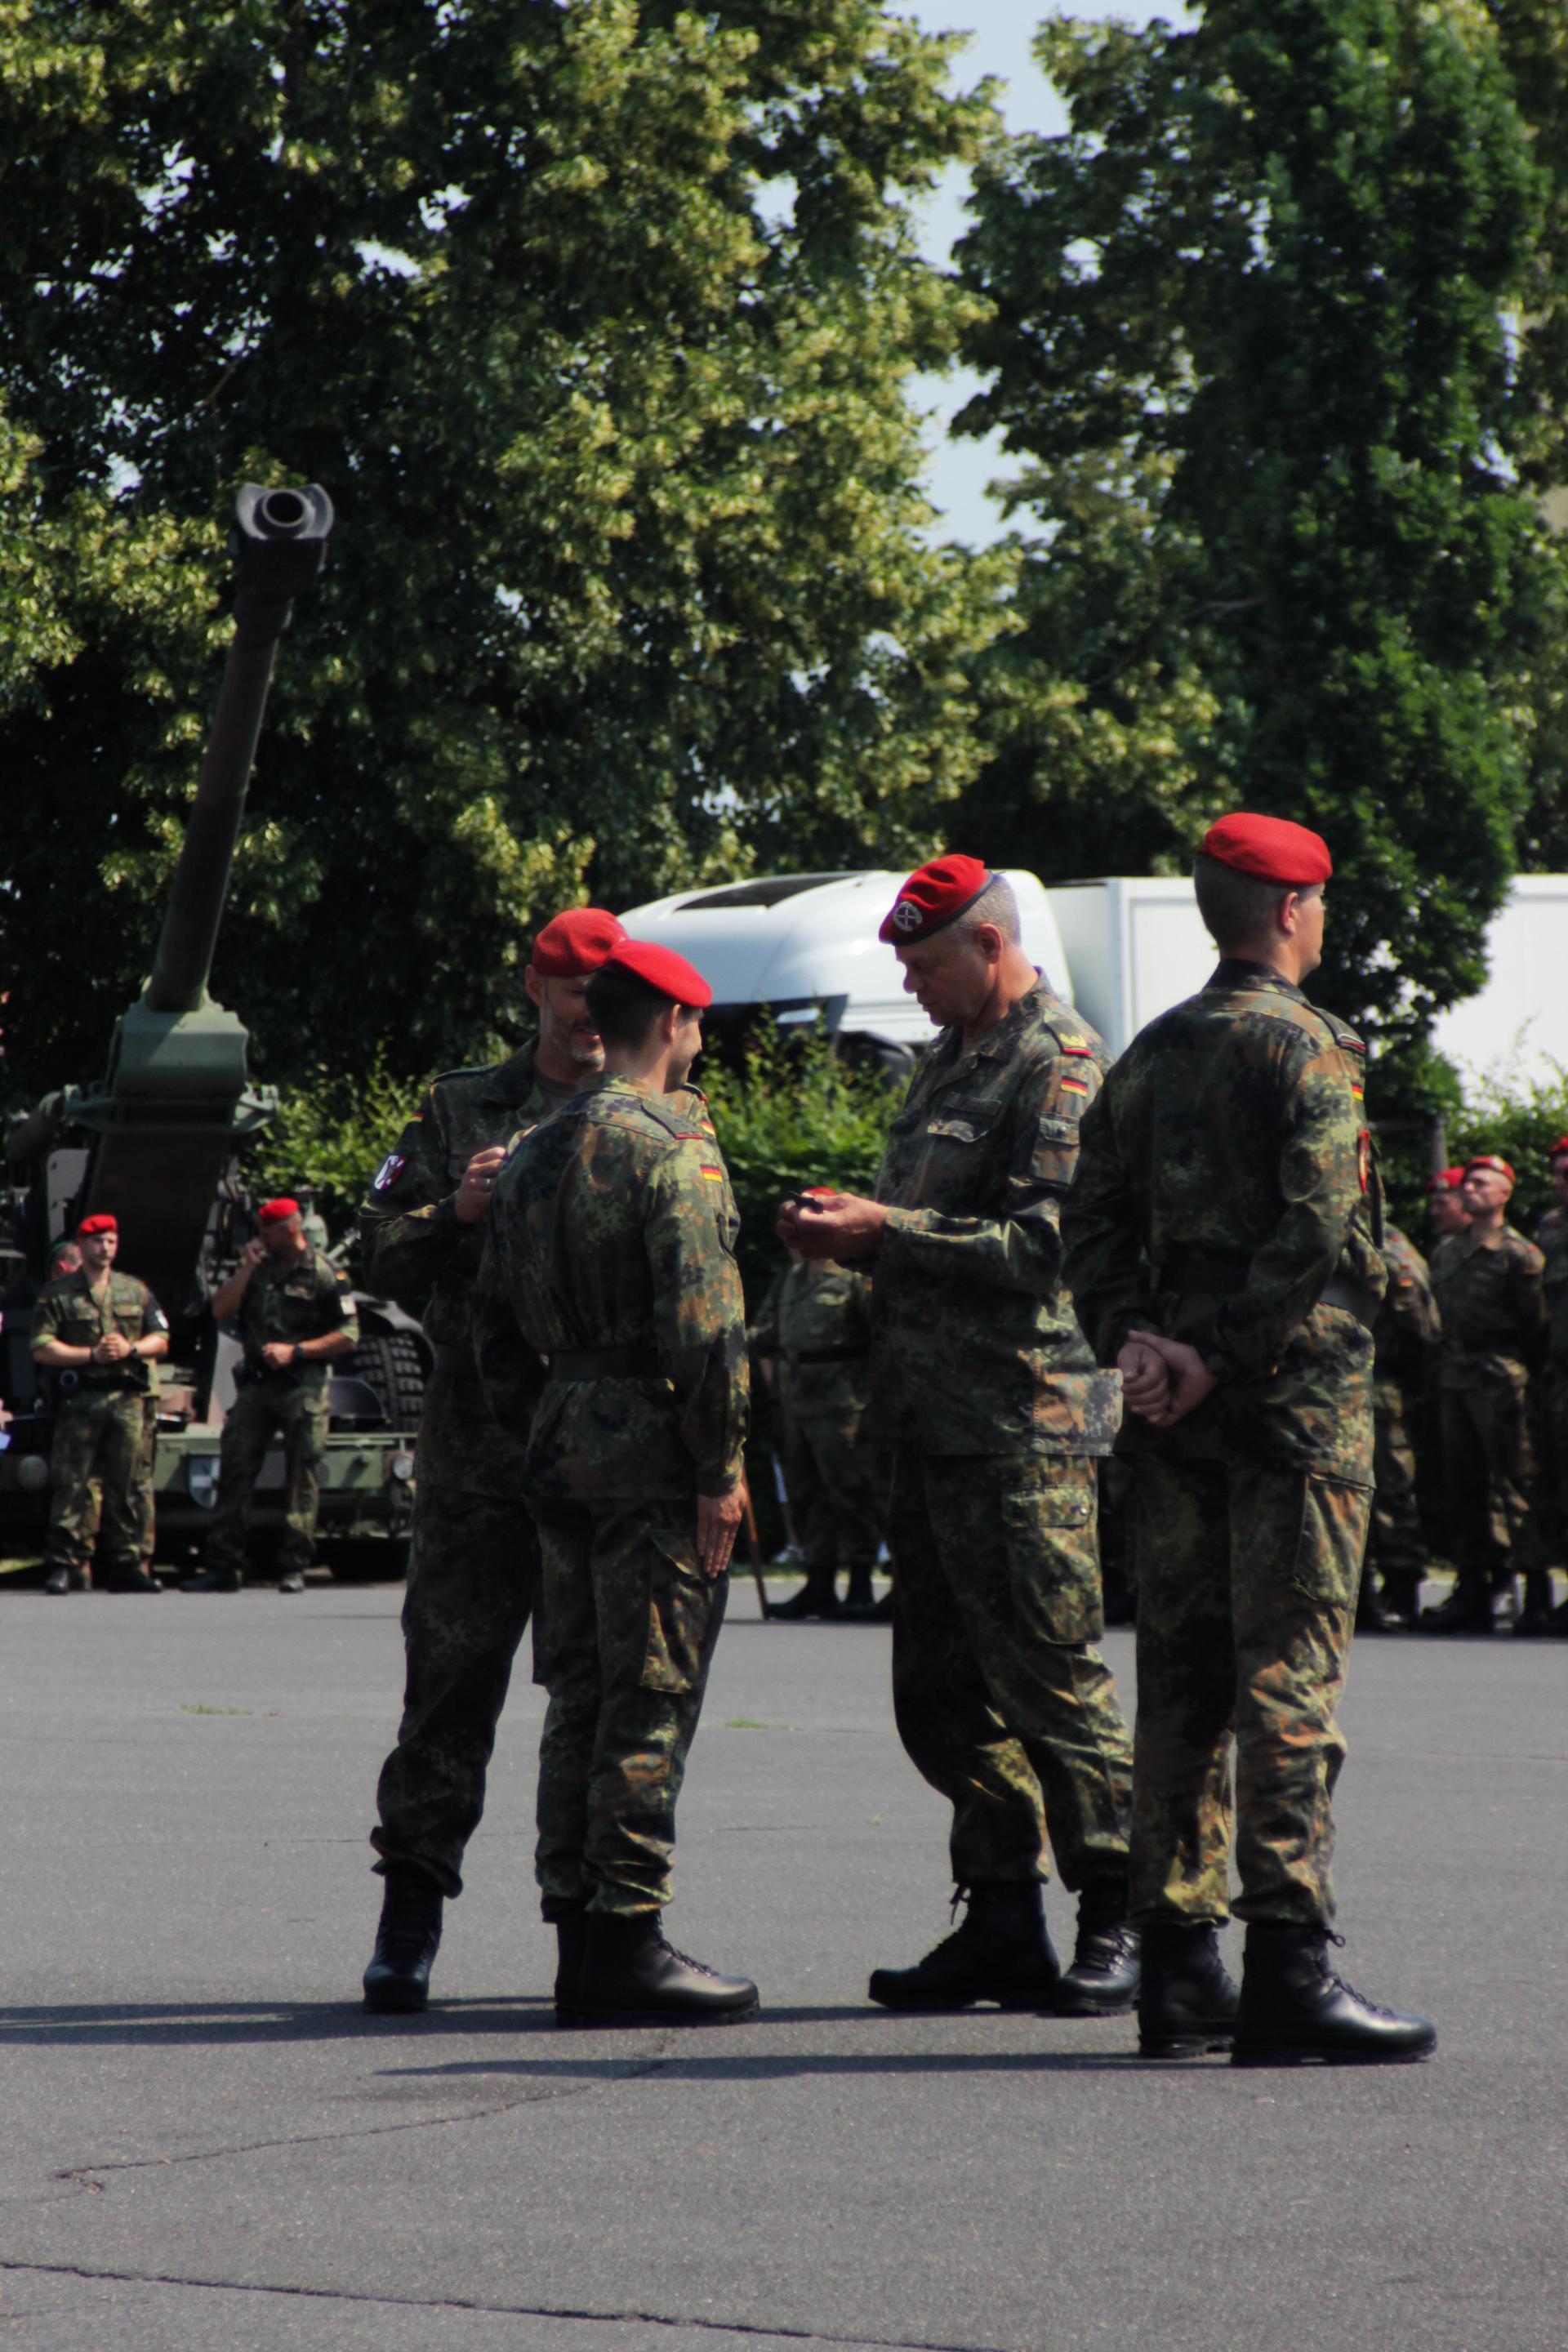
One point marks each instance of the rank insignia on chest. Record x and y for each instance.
(387, 1174)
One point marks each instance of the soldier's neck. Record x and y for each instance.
(1486, 1227)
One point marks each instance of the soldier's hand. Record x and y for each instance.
(1145, 1377)
(253, 1253)
(473, 1197)
(277, 1355)
(719, 1520)
(1190, 1378)
(834, 1225)
(113, 1348)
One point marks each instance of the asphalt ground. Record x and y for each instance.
(207, 2143)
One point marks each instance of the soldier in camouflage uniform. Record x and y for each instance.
(813, 1340)
(473, 1566)
(295, 1316)
(613, 1240)
(1223, 1251)
(1551, 1389)
(1001, 1414)
(100, 1333)
(1488, 1288)
(1404, 1338)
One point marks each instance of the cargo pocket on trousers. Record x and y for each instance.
(1331, 1541)
(1048, 1519)
(681, 1602)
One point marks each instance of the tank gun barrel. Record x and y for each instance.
(279, 543)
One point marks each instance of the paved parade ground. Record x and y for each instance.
(207, 2144)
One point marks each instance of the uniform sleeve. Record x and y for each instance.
(154, 1318)
(1020, 1248)
(1530, 1297)
(337, 1311)
(698, 1312)
(1105, 1268)
(409, 1231)
(47, 1319)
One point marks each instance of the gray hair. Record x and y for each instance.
(997, 905)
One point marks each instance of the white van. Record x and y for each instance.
(803, 944)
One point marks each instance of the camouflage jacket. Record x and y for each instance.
(417, 1252)
(1232, 1134)
(816, 1319)
(1551, 1241)
(614, 1226)
(978, 1350)
(303, 1299)
(1493, 1304)
(1408, 1325)
(69, 1309)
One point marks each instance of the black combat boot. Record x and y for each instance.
(212, 1580)
(1402, 1595)
(1371, 1615)
(1187, 1999)
(816, 1598)
(860, 1599)
(1001, 1953)
(57, 1581)
(1467, 1609)
(570, 1925)
(406, 1942)
(1295, 2009)
(1103, 1978)
(1535, 1617)
(134, 1579)
(630, 1975)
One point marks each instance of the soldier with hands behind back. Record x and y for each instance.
(612, 1250)
(1223, 1251)
(99, 1332)
(1000, 1413)
(473, 1566)
(1405, 1343)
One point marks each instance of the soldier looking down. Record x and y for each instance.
(998, 1412)
(473, 1566)
(613, 1251)
(295, 1316)
(1222, 1247)
(99, 1332)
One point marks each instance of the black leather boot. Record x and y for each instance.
(816, 1598)
(398, 1977)
(134, 1579)
(630, 1975)
(1103, 1978)
(1535, 1617)
(570, 1942)
(1187, 1999)
(212, 1580)
(1294, 2008)
(1467, 1609)
(1402, 1595)
(860, 1599)
(57, 1581)
(1000, 1953)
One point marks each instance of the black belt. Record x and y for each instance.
(842, 1355)
(1222, 1277)
(458, 1363)
(605, 1364)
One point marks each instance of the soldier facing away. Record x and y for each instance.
(1404, 1341)
(613, 1241)
(295, 1316)
(473, 1564)
(100, 1333)
(1223, 1251)
(1001, 1700)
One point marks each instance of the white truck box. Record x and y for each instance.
(1516, 1030)
(798, 941)
(1137, 945)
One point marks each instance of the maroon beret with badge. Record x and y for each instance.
(1558, 1150)
(662, 968)
(99, 1224)
(1270, 848)
(1447, 1180)
(272, 1213)
(1492, 1160)
(574, 943)
(932, 897)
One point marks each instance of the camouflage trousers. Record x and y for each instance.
(144, 1492)
(1246, 1589)
(830, 1478)
(1396, 1546)
(1550, 1420)
(100, 1469)
(1001, 1701)
(261, 1408)
(1491, 1478)
(626, 1629)
(473, 1573)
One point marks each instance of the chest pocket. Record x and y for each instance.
(958, 1127)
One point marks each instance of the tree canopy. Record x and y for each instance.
(598, 323)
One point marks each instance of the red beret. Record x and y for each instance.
(1490, 1160)
(1447, 1180)
(1557, 1148)
(100, 1224)
(272, 1213)
(1269, 846)
(932, 898)
(662, 968)
(575, 944)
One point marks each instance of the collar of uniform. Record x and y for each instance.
(512, 1081)
(606, 1082)
(999, 1039)
(1240, 972)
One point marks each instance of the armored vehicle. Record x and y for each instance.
(159, 1141)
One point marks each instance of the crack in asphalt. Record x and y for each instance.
(781, 2333)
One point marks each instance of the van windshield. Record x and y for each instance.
(768, 893)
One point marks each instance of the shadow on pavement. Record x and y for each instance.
(146, 2023)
